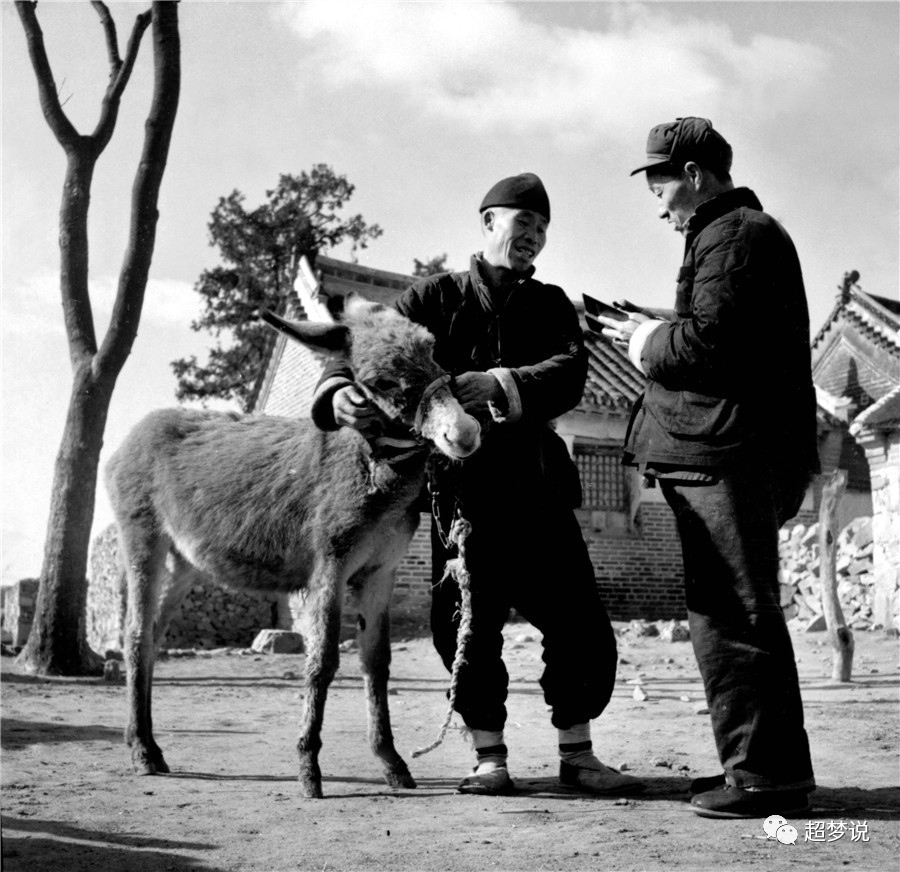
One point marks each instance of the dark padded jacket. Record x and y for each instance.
(730, 377)
(533, 343)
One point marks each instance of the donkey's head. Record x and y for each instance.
(393, 364)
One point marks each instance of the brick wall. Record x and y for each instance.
(412, 591)
(639, 575)
(883, 452)
(294, 381)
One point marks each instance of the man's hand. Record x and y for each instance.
(621, 331)
(476, 389)
(352, 409)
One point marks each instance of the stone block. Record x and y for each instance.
(278, 642)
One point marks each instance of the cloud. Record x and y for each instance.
(491, 66)
(32, 307)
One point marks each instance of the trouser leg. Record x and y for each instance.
(557, 592)
(483, 680)
(729, 536)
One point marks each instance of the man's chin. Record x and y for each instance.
(521, 264)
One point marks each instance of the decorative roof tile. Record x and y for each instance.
(883, 415)
(876, 318)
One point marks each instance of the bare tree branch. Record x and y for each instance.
(144, 214)
(62, 128)
(112, 42)
(120, 71)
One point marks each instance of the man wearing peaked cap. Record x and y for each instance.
(515, 349)
(727, 429)
(674, 143)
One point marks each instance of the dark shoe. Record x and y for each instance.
(733, 802)
(709, 782)
(604, 782)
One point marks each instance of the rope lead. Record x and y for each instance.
(456, 569)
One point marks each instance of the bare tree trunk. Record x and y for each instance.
(838, 632)
(57, 643)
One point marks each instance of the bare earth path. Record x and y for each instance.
(226, 722)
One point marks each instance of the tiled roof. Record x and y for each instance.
(339, 278)
(613, 381)
(876, 318)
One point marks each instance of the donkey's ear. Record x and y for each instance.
(328, 337)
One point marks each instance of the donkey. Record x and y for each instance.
(276, 505)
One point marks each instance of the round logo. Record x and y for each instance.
(772, 823)
(786, 834)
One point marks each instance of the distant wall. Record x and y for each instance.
(211, 615)
(18, 601)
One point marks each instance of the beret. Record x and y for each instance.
(524, 191)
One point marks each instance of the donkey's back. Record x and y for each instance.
(248, 500)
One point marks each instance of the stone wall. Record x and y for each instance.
(801, 588)
(18, 601)
(211, 616)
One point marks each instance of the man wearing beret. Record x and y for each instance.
(515, 350)
(727, 428)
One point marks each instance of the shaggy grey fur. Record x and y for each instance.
(276, 505)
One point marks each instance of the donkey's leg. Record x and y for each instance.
(373, 597)
(320, 621)
(177, 576)
(144, 555)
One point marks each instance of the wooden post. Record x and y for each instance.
(838, 631)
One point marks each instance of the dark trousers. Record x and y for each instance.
(729, 540)
(535, 561)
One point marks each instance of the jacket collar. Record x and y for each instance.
(489, 301)
(736, 198)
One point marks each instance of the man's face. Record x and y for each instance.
(677, 196)
(513, 237)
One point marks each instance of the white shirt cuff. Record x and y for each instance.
(638, 338)
(513, 400)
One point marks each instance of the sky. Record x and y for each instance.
(423, 106)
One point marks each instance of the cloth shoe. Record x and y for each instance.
(604, 781)
(734, 802)
(485, 781)
(708, 782)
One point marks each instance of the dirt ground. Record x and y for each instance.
(226, 722)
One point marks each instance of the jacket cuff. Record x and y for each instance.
(513, 400)
(638, 338)
(322, 409)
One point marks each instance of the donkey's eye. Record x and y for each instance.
(385, 385)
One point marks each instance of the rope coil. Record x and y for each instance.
(456, 568)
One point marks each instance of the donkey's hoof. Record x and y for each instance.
(310, 779)
(147, 763)
(400, 777)
(311, 788)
